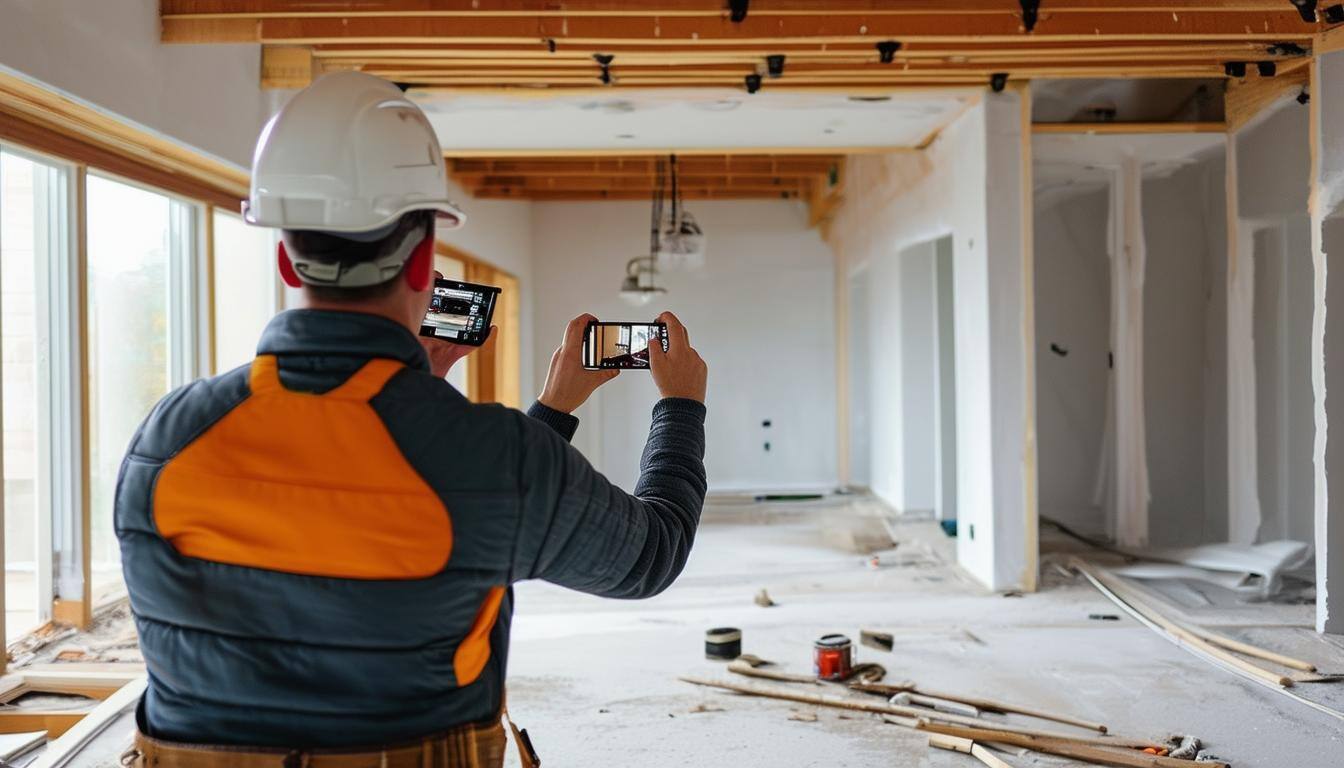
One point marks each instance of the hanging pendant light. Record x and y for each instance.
(639, 285)
(681, 242)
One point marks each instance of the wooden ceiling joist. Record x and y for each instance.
(828, 44)
(579, 196)
(738, 165)
(1274, 23)
(635, 177)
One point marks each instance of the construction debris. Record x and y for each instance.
(1078, 749)
(984, 705)
(882, 641)
(1132, 602)
(966, 746)
(907, 716)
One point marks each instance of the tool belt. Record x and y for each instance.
(467, 746)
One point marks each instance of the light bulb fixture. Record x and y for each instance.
(638, 287)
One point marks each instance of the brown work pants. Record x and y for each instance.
(469, 746)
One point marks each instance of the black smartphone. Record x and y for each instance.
(460, 312)
(621, 345)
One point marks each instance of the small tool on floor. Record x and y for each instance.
(723, 643)
(909, 698)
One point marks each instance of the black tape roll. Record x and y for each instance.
(723, 643)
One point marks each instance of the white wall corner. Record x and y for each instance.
(1327, 332)
(1011, 337)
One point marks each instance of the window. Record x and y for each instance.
(34, 244)
(246, 288)
(141, 332)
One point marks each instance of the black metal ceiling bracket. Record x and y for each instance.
(1306, 8)
(886, 50)
(1030, 13)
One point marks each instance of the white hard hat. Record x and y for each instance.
(349, 153)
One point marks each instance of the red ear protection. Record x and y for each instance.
(287, 272)
(420, 267)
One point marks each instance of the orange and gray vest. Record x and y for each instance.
(319, 547)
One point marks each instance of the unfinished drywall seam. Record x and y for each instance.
(1243, 500)
(1030, 489)
(844, 471)
(1128, 267)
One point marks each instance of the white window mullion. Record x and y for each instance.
(60, 545)
(184, 280)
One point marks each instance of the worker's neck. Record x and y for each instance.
(389, 307)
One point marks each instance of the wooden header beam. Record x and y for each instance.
(712, 177)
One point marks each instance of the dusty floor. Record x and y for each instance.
(594, 681)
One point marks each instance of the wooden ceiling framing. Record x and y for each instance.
(701, 177)
(832, 44)
(855, 47)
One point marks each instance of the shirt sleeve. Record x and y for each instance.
(563, 423)
(580, 531)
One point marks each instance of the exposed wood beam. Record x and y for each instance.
(566, 51)
(1118, 128)
(1247, 98)
(744, 165)
(284, 66)
(209, 9)
(614, 152)
(688, 194)
(598, 184)
(1268, 23)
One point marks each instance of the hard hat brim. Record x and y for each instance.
(447, 213)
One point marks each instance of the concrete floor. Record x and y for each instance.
(595, 683)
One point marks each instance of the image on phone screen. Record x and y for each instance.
(460, 312)
(621, 345)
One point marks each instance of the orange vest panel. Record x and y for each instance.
(304, 483)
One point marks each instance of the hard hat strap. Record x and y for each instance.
(360, 274)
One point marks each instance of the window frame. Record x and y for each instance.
(64, 562)
(60, 427)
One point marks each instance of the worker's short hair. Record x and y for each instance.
(332, 248)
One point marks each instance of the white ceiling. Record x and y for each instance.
(686, 119)
(1065, 164)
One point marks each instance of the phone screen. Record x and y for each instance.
(460, 312)
(621, 345)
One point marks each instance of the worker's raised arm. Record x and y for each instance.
(577, 529)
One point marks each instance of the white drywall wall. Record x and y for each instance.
(760, 312)
(108, 53)
(905, 199)
(1273, 174)
(1073, 276)
(1183, 212)
(919, 376)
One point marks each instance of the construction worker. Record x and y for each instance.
(319, 547)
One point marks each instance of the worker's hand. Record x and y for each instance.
(678, 372)
(568, 385)
(443, 355)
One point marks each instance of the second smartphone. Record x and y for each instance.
(460, 312)
(621, 345)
